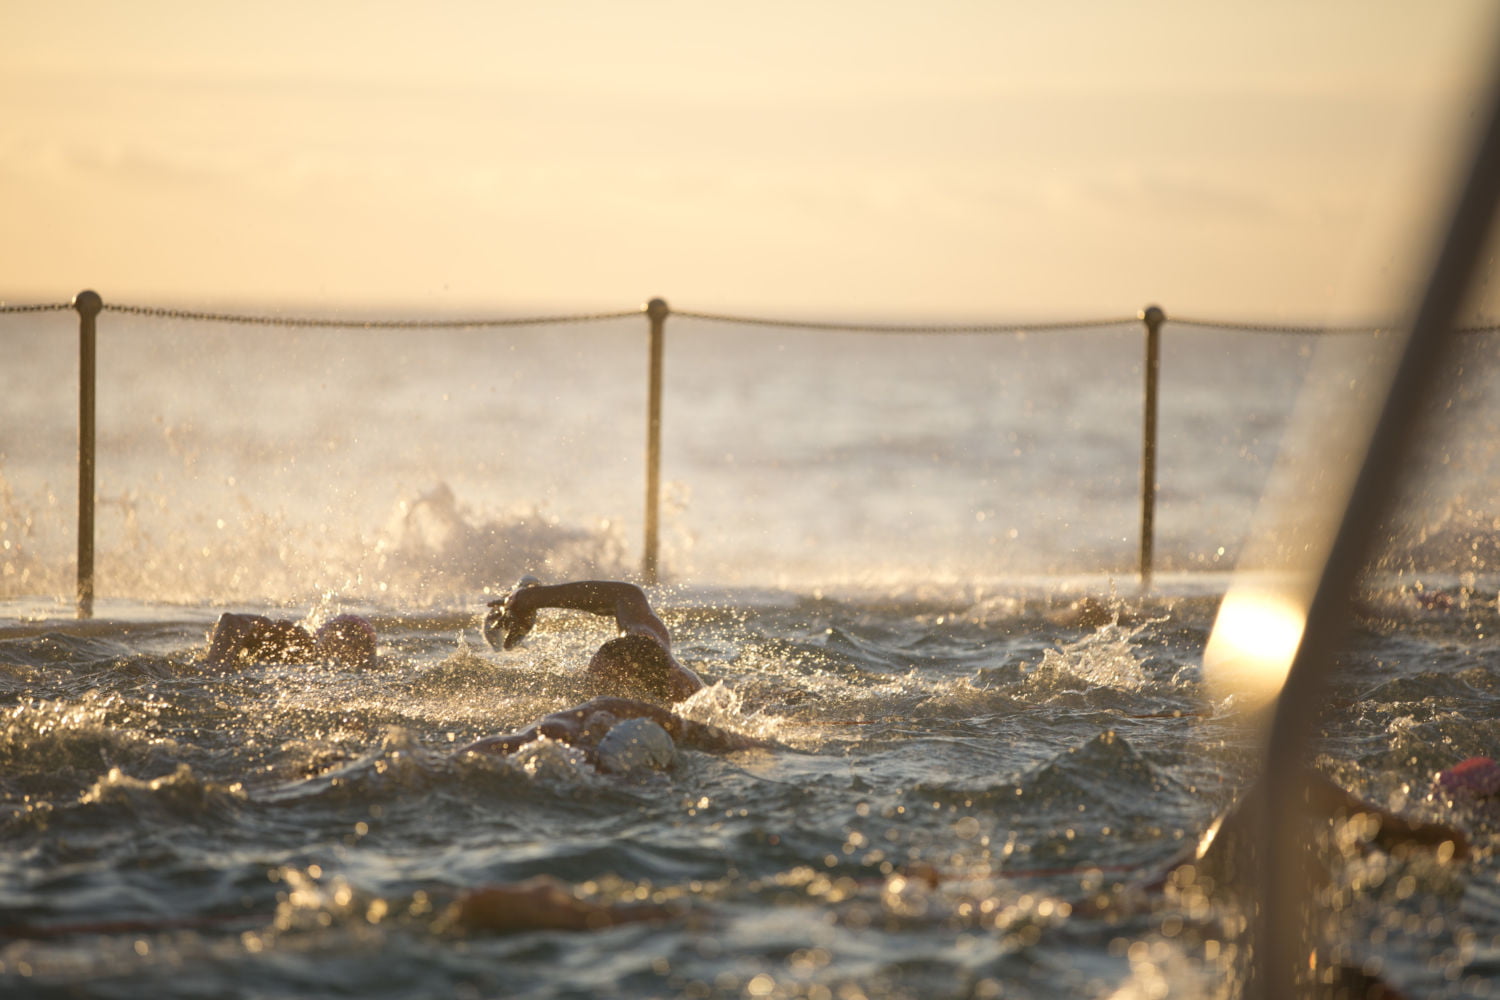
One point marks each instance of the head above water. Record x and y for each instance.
(634, 666)
(346, 639)
(635, 747)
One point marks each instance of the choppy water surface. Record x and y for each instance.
(300, 831)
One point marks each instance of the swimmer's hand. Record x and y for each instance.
(511, 618)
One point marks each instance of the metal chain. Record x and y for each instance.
(1212, 324)
(908, 328)
(55, 307)
(921, 328)
(360, 324)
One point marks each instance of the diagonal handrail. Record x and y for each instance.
(1278, 948)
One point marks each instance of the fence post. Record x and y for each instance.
(1153, 317)
(657, 311)
(88, 304)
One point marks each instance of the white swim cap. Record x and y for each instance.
(635, 746)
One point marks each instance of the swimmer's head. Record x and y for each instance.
(634, 666)
(635, 747)
(347, 639)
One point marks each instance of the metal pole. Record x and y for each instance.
(88, 305)
(657, 311)
(1153, 317)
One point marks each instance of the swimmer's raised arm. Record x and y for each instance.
(516, 613)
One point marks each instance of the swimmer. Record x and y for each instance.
(1227, 838)
(620, 735)
(348, 640)
(638, 663)
(1225, 857)
(1224, 861)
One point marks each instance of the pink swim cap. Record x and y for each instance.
(1477, 776)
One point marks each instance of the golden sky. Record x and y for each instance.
(842, 158)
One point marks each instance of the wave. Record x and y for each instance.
(434, 548)
(50, 750)
(430, 551)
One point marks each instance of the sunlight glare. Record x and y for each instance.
(1254, 639)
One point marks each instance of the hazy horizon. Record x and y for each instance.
(963, 160)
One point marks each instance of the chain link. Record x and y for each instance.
(54, 307)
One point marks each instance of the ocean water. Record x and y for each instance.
(871, 548)
(249, 462)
